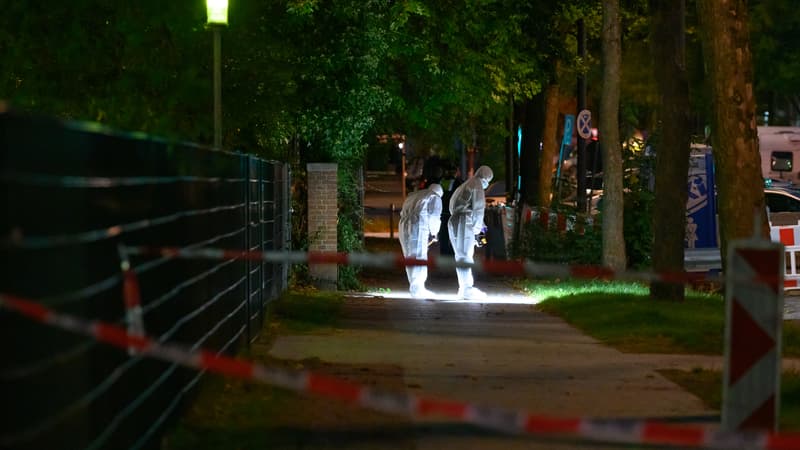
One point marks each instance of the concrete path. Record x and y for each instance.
(501, 352)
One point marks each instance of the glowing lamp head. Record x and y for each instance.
(217, 12)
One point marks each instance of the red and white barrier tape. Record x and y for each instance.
(406, 404)
(397, 261)
(556, 220)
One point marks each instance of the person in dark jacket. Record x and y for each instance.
(451, 181)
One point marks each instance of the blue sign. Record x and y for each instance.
(569, 122)
(519, 155)
(701, 208)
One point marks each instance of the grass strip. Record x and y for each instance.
(707, 386)
(306, 310)
(623, 315)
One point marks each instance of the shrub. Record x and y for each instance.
(547, 245)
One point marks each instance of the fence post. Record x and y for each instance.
(260, 234)
(276, 226)
(753, 320)
(247, 245)
(256, 268)
(273, 225)
(322, 219)
(286, 212)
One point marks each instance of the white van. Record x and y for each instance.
(780, 153)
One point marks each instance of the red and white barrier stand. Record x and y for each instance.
(789, 236)
(753, 318)
(132, 297)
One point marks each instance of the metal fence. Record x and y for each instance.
(71, 194)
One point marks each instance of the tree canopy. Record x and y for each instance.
(317, 80)
(336, 71)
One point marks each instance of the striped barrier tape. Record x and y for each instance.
(629, 431)
(551, 219)
(388, 260)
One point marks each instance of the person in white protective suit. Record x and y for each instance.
(466, 221)
(420, 220)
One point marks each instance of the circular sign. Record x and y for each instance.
(584, 124)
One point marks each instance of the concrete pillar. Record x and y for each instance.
(322, 217)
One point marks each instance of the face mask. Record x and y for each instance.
(484, 183)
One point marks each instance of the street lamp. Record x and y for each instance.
(217, 11)
(401, 145)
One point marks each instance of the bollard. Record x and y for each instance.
(391, 221)
(753, 320)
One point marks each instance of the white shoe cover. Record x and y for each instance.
(472, 293)
(422, 293)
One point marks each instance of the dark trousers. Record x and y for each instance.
(445, 247)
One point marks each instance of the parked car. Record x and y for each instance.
(782, 199)
(783, 205)
(496, 194)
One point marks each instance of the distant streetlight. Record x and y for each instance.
(217, 11)
(401, 145)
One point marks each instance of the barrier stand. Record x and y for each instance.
(753, 315)
(132, 297)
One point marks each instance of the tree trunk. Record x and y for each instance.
(613, 202)
(511, 153)
(549, 143)
(672, 154)
(734, 136)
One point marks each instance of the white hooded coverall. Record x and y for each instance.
(466, 220)
(420, 217)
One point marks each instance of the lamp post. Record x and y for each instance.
(217, 11)
(401, 145)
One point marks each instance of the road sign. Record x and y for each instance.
(585, 124)
(753, 319)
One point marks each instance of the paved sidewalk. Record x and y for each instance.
(501, 352)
